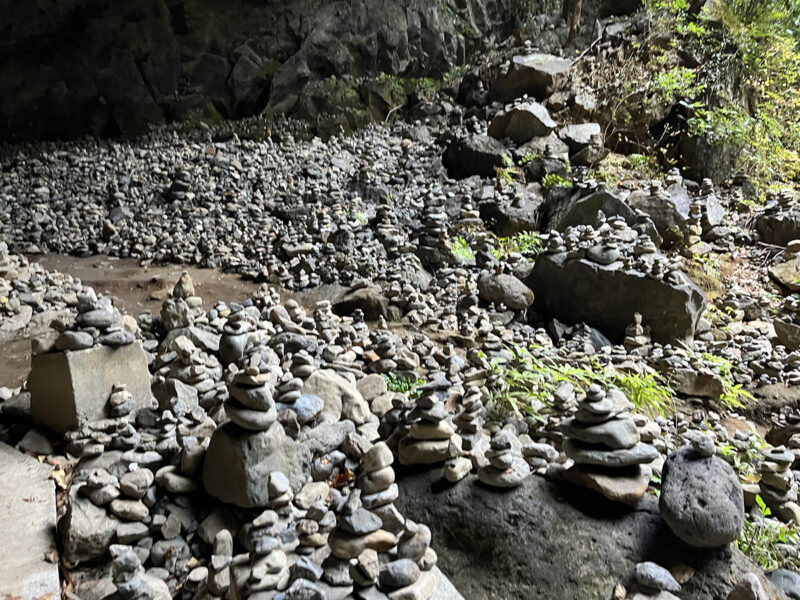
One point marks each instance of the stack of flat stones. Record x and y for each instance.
(379, 490)
(98, 322)
(778, 486)
(219, 577)
(130, 579)
(314, 528)
(506, 468)
(603, 441)
(186, 375)
(358, 529)
(250, 405)
(235, 337)
(431, 438)
(269, 569)
(470, 420)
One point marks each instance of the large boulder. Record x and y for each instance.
(522, 122)
(86, 530)
(607, 298)
(342, 398)
(238, 463)
(69, 389)
(505, 289)
(555, 541)
(788, 333)
(701, 499)
(507, 219)
(669, 213)
(474, 155)
(536, 75)
(779, 228)
(582, 210)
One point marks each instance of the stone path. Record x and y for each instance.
(27, 529)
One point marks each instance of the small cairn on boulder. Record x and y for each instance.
(358, 529)
(98, 322)
(637, 337)
(506, 468)
(603, 441)
(701, 497)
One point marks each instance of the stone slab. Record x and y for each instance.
(27, 528)
(72, 388)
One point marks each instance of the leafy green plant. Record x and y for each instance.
(554, 180)
(460, 248)
(744, 456)
(734, 395)
(530, 383)
(403, 385)
(361, 217)
(527, 243)
(761, 536)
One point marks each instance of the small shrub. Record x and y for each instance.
(403, 385)
(527, 243)
(460, 248)
(761, 537)
(554, 180)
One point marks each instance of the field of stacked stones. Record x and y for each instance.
(468, 365)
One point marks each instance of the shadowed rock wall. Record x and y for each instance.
(111, 67)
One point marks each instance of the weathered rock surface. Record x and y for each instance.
(69, 389)
(535, 74)
(779, 228)
(118, 67)
(607, 298)
(238, 463)
(701, 499)
(583, 211)
(475, 155)
(581, 546)
(523, 122)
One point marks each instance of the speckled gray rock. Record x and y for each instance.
(701, 499)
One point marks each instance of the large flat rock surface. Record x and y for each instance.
(27, 528)
(554, 541)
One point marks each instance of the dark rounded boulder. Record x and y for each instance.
(701, 499)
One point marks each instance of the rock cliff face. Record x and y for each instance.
(103, 67)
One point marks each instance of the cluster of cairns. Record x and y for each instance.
(266, 470)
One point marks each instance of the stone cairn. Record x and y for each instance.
(506, 468)
(379, 490)
(269, 569)
(778, 487)
(98, 322)
(603, 441)
(130, 579)
(235, 337)
(250, 405)
(637, 337)
(431, 439)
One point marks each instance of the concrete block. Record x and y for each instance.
(69, 389)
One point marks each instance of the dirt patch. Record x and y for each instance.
(133, 288)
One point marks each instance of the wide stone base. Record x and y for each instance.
(626, 485)
(238, 463)
(555, 541)
(69, 389)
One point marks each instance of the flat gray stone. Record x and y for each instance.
(27, 527)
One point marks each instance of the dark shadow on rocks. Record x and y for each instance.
(552, 540)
